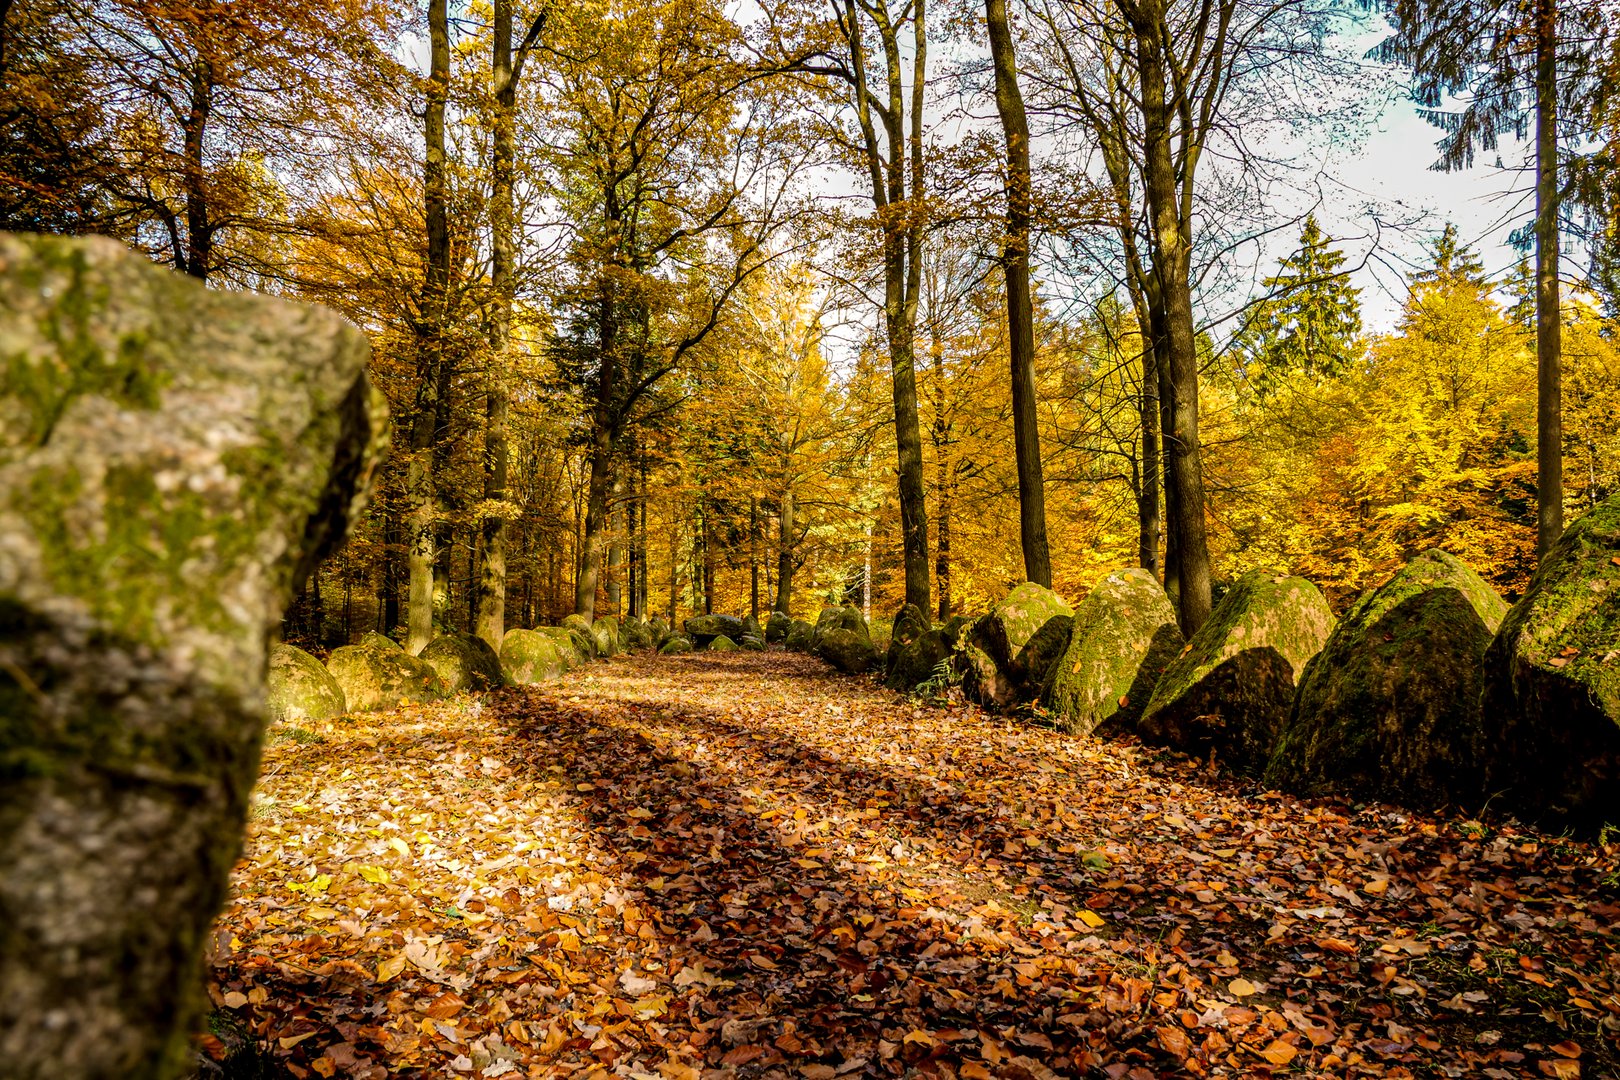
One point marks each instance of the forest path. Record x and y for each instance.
(743, 864)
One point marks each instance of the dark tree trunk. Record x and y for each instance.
(1020, 307)
(784, 555)
(1549, 319)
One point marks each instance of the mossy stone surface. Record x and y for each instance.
(675, 646)
(702, 629)
(840, 618)
(777, 626)
(1551, 705)
(530, 656)
(464, 662)
(381, 641)
(721, 644)
(919, 659)
(1123, 636)
(800, 636)
(910, 623)
(748, 643)
(173, 461)
(582, 633)
(850, 651)
(605, 636)
(1389, 709)
(1230, 690)
(1022, 636)
(376, 678)
(298, 687)
(637, 635)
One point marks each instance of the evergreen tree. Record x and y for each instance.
(1310, 323)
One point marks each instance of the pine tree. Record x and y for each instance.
(1310, 323)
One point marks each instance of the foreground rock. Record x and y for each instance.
(800, 636)
(1123, 636)
(531, 656)
(1551, 709)
(1009, 650)
(1389, 709)
(842, 638)
(638, 635)
(575, 646)
(583, 633)
(1231, 689)
(910, 623)
(298, 687)
(173, 461)
(463, 662)
(777, 626)
(675, 646)
(721, 644)
(605, 636)
(374, 677)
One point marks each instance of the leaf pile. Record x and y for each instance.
(742, 865)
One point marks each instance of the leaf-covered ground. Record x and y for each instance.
(743, 865)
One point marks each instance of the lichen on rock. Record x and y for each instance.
(463, 662)
(1021, 636)
(375, 677)
(173, 462)
(1231, 688)
(298, 687)
(1389, 709)
(1551, 704)
(530, 656)
(1122, 637)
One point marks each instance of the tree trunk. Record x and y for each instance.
(199, 254)
(596, 505)
(1148, 518)
(784, 555)
(615, 552)
(753, 557)
(1549, 319)
(1020, 306)
(420, 480)
(945, 481)
(491, 592)
(1172, 259)
(704, 508)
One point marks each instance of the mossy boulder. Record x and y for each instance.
(751, 644)
(702, 629)
(1123, 636)
(841, 618)
(174, 460)
(800, 636)
(583, 634)
(381, 641)
(1022, 636)
(751, 628)
(638, 635)
(374, 677)
(777, 626)
(464, 662)
(919, 660)
(1389, 709)
(1551, 705)
(298, 687)
(910, 623)
(530, 656)
(850, 651)
(575, 649)
(675, 646)
(1231, 688)
(721, 644)
(605, 636)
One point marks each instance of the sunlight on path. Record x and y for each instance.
(743, 865)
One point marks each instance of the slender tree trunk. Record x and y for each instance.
(491, 592)
(705, 508)
(1149, 521)
(199, 254)
(615, 553)
(1171, 259)
(420, 480)
(753, 557)
(596, 506)
(1020, 306)
(784, 555)
(1549, 319)
(944, 484)
(392, 542)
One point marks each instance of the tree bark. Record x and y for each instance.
(198, 258)
(1549, 319)
(1172, 261)
(1020, 306)
(784, 554)
(596, 504)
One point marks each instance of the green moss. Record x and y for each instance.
(1123, 636)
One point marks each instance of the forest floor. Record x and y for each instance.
(745, 865)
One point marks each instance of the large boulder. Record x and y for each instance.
(1389, 709)
(777, 626)
(382, 641)
(583, 633)
(575, 646)
(919, 660)
(840, 618)
(605, 636)
(1123, 636)
(1551, 707)
(1231, 688)
(174, 460)
(634, 634)
(751, 628)
(1010, 647)
(531, 656)
(751, 644)
(298, 687)
(702, 629)
(375, 678)
(850, 651)
(463, 661)
(659, 630)
(675, 646)
(910, 623)
(800, 636)
(721, 644)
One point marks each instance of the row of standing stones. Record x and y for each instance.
(1430, 692)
